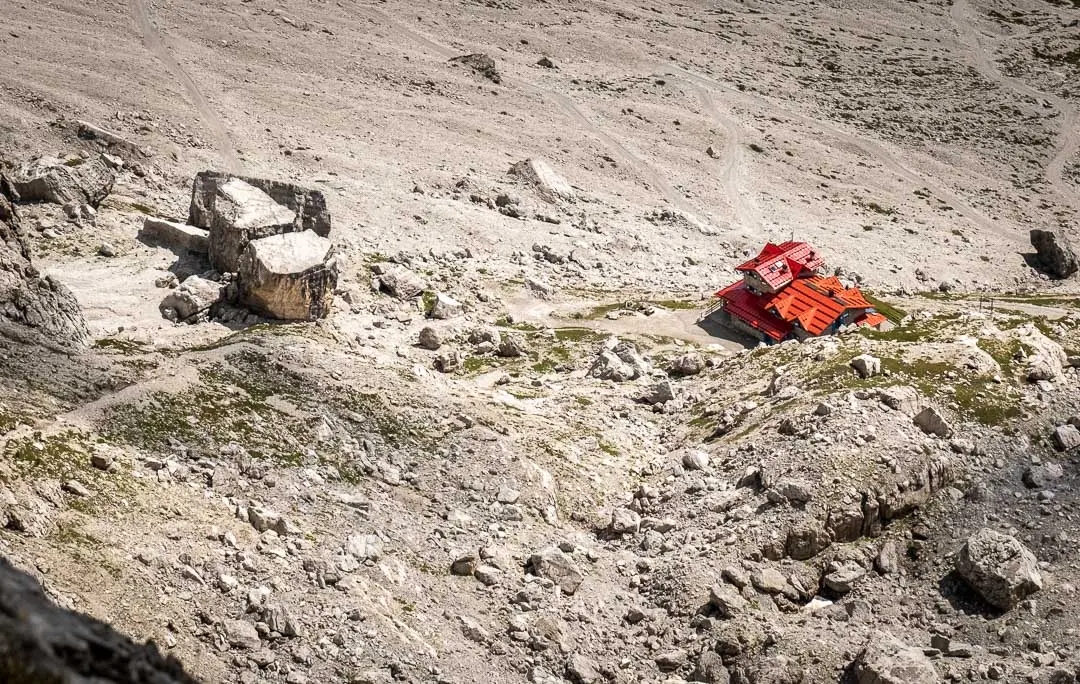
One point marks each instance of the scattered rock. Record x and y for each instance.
(175, 235)
(78, 180)
(695, 459)
(445, 307)
(901, 398)
(554, 565)
(688, 364)
(479, 63)
(727, 601)
(191, 301)
(932, 423)
(660, 392)
(866, 366)
(624, 521)
(400, 282)
(581, 670)
(429, 338)
(618, 361)
(1065, 437)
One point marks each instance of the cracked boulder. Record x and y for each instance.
(291, 276)
(309, 206)
(241, 213)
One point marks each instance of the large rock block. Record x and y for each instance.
(1055, 253)
(242, 213)
(308, 205)
(47, 179)
(175, 235)
(999, 567)
(290, 276)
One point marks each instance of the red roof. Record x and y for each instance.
(872, 319)
(750, 309)
(778, 265)
(812, 306)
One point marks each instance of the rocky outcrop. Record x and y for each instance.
(27, 298)
(887, 660)
(79, 181)
(289, 277)
(45, 644)
(1001, 569)
(239, 214)
(479, 63)
(308, 205)
(1055, 253)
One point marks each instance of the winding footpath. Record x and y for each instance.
(153, 41)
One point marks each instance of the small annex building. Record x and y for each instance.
(782, 296)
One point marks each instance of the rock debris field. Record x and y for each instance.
(370, 343)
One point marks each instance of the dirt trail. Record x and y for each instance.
(156, 45)
(680, 324)
(645, 170)
(963, 19)
(872, 148)
(732, 169)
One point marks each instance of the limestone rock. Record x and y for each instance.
(191, 301)
(400, 282)
(513, 347)
(695, 459)
(47, 179)
(553, 564)
(660, 392)
(548, 183)
(308, 206)
(242, 213)
(1001, 569)
(619, 361)
(479, 63)
(727, 601)
(901, 398)
(933, 423)
(290, 277)
(624, 521)
(1055, 252)
(887, 660)
(445, 307)
(175, 235)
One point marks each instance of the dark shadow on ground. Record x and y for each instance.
(715, 329)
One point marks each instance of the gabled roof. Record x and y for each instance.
(813, 307)
(750, 308)
(778, 265)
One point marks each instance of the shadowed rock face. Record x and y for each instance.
(28, 299)
(41, 643)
